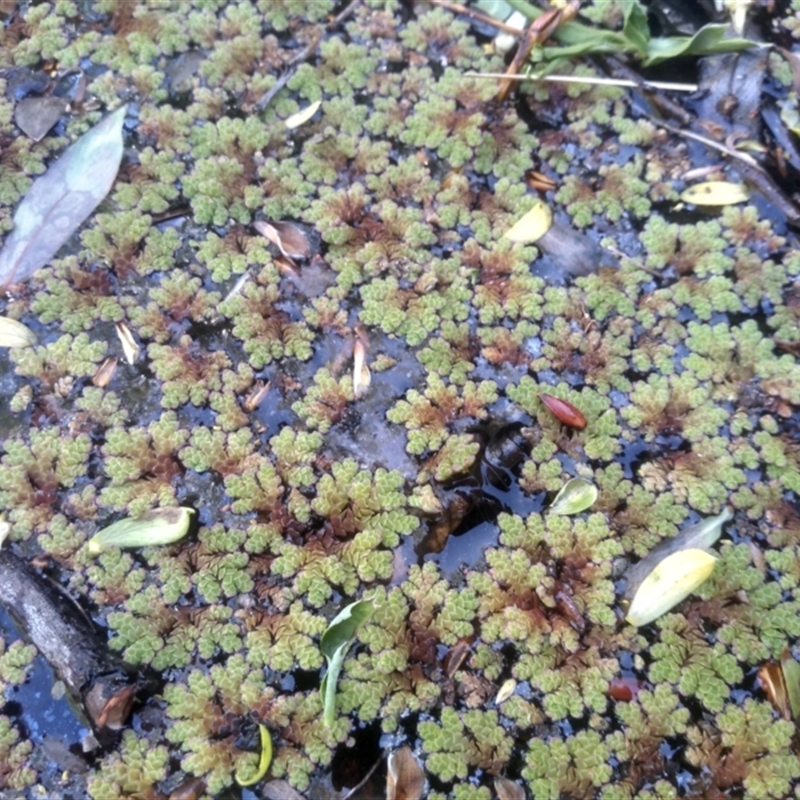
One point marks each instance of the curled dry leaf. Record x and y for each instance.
(288, 238)
(302, 116)
(405, 779)
(773, 683)
(15, 334)
(576, 495)
(130, 349)
(158, 526)
(791, 673)
(5, 529)
(563, 411)
(531, 226)
(715, 193)
(671, 581)
(105, 372)
(362, 377)
(256, 396)
(508, 790)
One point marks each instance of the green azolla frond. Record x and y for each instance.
(575, 766)
(14, 755)
(133, 770)
(15, 661)
(683, 658)
(285, 640)
(221, 563)
(295, 451)
(75, 357)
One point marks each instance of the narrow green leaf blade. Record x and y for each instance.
(334, 645)
(344, 625)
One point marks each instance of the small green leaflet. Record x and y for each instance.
(334, 645)
(576, 495)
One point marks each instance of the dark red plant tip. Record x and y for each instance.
(563, 411)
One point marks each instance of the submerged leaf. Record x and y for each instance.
(334, 645)
(715, 193)
(59, 201)
(405, 779)
(288, 238)
(791, 675)
(671, 581)
(265, 759)
(36, 115)
(156, 527)
(576, 495)
(531, 226)
(15, 334)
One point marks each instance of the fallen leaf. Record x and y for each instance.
(15, 334)
(531, 226)
(280, 790)
(264, 760)
(288, 238)
(105, 372)
(59, 201)
(701, 535)
(791, 674)
(576, 495)
(505, 691)
(671, 581)
(36, 115)
(771, 678)
(158, 526)
(405, 779)
(302, 116)
(508, 790)
(715, 193)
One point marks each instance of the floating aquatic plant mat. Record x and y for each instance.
(386, 438)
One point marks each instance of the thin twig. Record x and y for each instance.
(303, 56)
(674, 87)
(457, 8)
(364, 779)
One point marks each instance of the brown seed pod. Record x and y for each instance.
(563, 411)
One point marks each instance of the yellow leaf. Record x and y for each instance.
(303, 116)
(532, 226)
(715, 193)
(15, 334)
(671, 581)
(264, 760)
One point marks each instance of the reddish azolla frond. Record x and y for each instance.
(563, 411)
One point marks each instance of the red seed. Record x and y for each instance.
(624, 689)
(563, 411)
